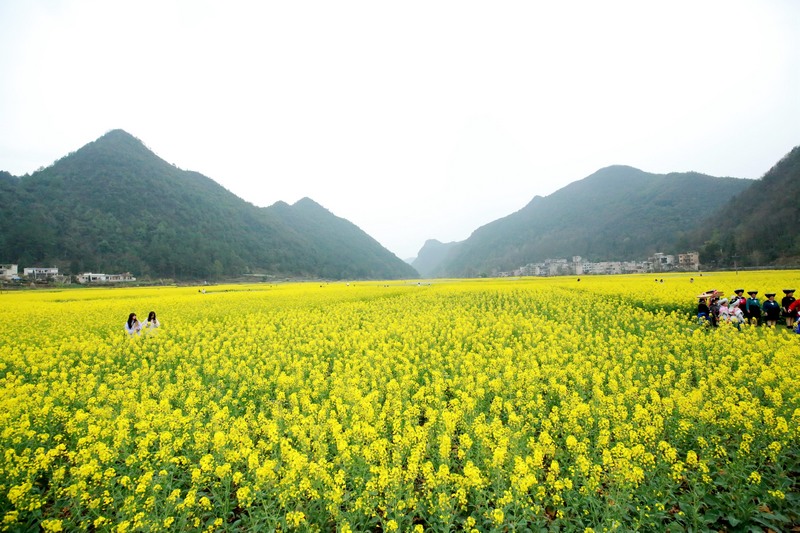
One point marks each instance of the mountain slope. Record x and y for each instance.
(114, 205)
(617, 213)
(335, 241)
(432, 256)
(759, 226)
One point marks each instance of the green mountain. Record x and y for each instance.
(433, 256)
(115, 206)
(334, 241)
(759, 226)
(617, 213)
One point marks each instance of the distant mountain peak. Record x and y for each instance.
(117, 132)
(617, 172)
(120, 142)
(618, 168)
(307, 202)
(118, 138)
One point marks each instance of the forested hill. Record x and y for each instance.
(761, 225)
(433, 257)
(115, 206)
(617, 213)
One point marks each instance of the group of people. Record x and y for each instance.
(713, 308)
(134, 327)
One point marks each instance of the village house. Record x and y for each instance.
(689, 261)
(91, 277)
(39, 272)
(662, 262)
(9, 271)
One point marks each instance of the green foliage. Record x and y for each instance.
(759, 226)
(115, 206)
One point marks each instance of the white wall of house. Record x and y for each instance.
(40, 272)
(8, 270)
(94, 277)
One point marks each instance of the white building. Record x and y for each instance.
(9, 271)
(40, 273)
(91, 277)
(662, 262)
(577, 265)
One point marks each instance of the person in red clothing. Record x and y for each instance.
(794, 307)
(737, 300)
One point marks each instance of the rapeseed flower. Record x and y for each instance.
(371, 406)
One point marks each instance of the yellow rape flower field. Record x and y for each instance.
(459, 405)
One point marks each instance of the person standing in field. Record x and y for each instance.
(133, 326)
(786, 302)
(772, 311)
(753, 308)
(714, 311)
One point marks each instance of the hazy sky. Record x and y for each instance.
(413, 120)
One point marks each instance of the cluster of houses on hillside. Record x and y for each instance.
(10, 272)
(689, 261)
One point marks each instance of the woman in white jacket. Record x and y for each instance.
(133, 326)
(152, 321)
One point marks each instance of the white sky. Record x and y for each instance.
(413, 119)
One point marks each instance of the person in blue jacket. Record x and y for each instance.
(772, 310)
(703, 311)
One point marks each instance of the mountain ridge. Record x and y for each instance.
(616, 213)
(115, 205)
